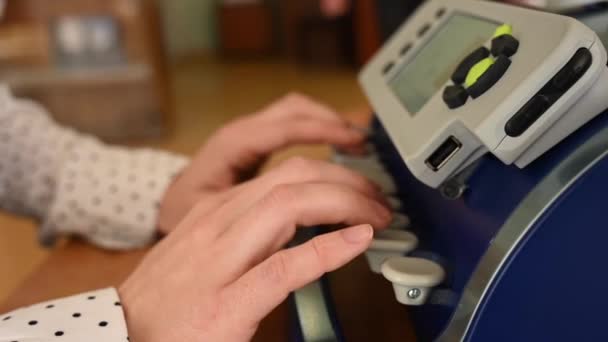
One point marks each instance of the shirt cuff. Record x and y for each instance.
(95, 316)
(110, 196)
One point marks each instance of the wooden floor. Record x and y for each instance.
(208, 93)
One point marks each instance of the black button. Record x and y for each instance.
(388, 67)
(504, 45)
(490, 77)
(574, 70)
(463, 68)
(527, 116)
(405, 49)
(424, 29)
(550, 93)
(455, 96)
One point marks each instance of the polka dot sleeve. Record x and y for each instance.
(76, 185)
(94, 316)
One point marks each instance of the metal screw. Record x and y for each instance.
(414, 293)
(453, 190)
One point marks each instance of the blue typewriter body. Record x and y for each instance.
(533, 240)
(524, 250)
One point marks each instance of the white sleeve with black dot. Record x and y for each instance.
(77, 185)
(95, 317)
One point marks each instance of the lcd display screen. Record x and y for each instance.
(422, 77)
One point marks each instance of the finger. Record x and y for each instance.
(297, 105)
(358, 150)
(226, 206)
(299, 170)
(312, 131)
(271, 136)
(280, 134)
(293, 171)
(268, 284)
(270, 223)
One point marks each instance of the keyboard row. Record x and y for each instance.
(413, 278)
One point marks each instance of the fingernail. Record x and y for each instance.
(353, 129)
(355, 135)
(362, 130)
(384, 210)
(388, 216)
(358, 234)
(380, 197)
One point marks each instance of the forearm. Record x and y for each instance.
(74, 184)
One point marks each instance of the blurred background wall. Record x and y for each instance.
(190, 26)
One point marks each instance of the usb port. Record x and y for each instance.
(443, 154)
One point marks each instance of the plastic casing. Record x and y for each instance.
(547, 43)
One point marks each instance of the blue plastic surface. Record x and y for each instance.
(553, 287)
(459, 232)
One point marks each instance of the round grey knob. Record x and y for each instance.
(412, 278)
(387, 244)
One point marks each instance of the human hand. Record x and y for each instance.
(236, 151)
(222, 270)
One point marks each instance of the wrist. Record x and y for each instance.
(126, 302)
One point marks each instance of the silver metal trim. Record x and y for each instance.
(313, 315)
(517, 226)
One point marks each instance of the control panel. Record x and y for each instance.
(463, 78)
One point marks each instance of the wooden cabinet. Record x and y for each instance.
(245, 29)
(125, 98)
(311, 38)
(366, 30)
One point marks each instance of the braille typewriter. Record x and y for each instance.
(491, 143)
